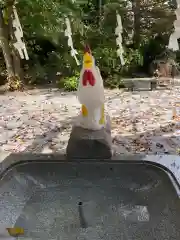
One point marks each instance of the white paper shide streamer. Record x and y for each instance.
(19, 44)
(68, 34)
(118, 33)
(173, 40)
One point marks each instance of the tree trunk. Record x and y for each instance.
(6, 48)
(137, 22)
(11, 56)
(15, 55)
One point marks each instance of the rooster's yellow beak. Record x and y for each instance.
(87, 60)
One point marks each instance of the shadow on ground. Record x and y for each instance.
(45, 141)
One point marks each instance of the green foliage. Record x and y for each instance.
(106, 58)
(43, 23)
(46, 17)
(69, 83)
(114, 82)
(133, 60)
(14, 83)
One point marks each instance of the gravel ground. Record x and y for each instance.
(40, 120)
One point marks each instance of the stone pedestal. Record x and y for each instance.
(89, 144)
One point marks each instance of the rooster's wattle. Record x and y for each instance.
(88, 77)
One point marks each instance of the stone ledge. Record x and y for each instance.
(88, 144)
(170, 162)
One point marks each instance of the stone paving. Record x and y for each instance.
(40, 120)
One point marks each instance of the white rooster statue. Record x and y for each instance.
(91, 94)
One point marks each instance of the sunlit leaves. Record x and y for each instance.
(45, 17)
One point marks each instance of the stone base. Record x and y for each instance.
(88, 144)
